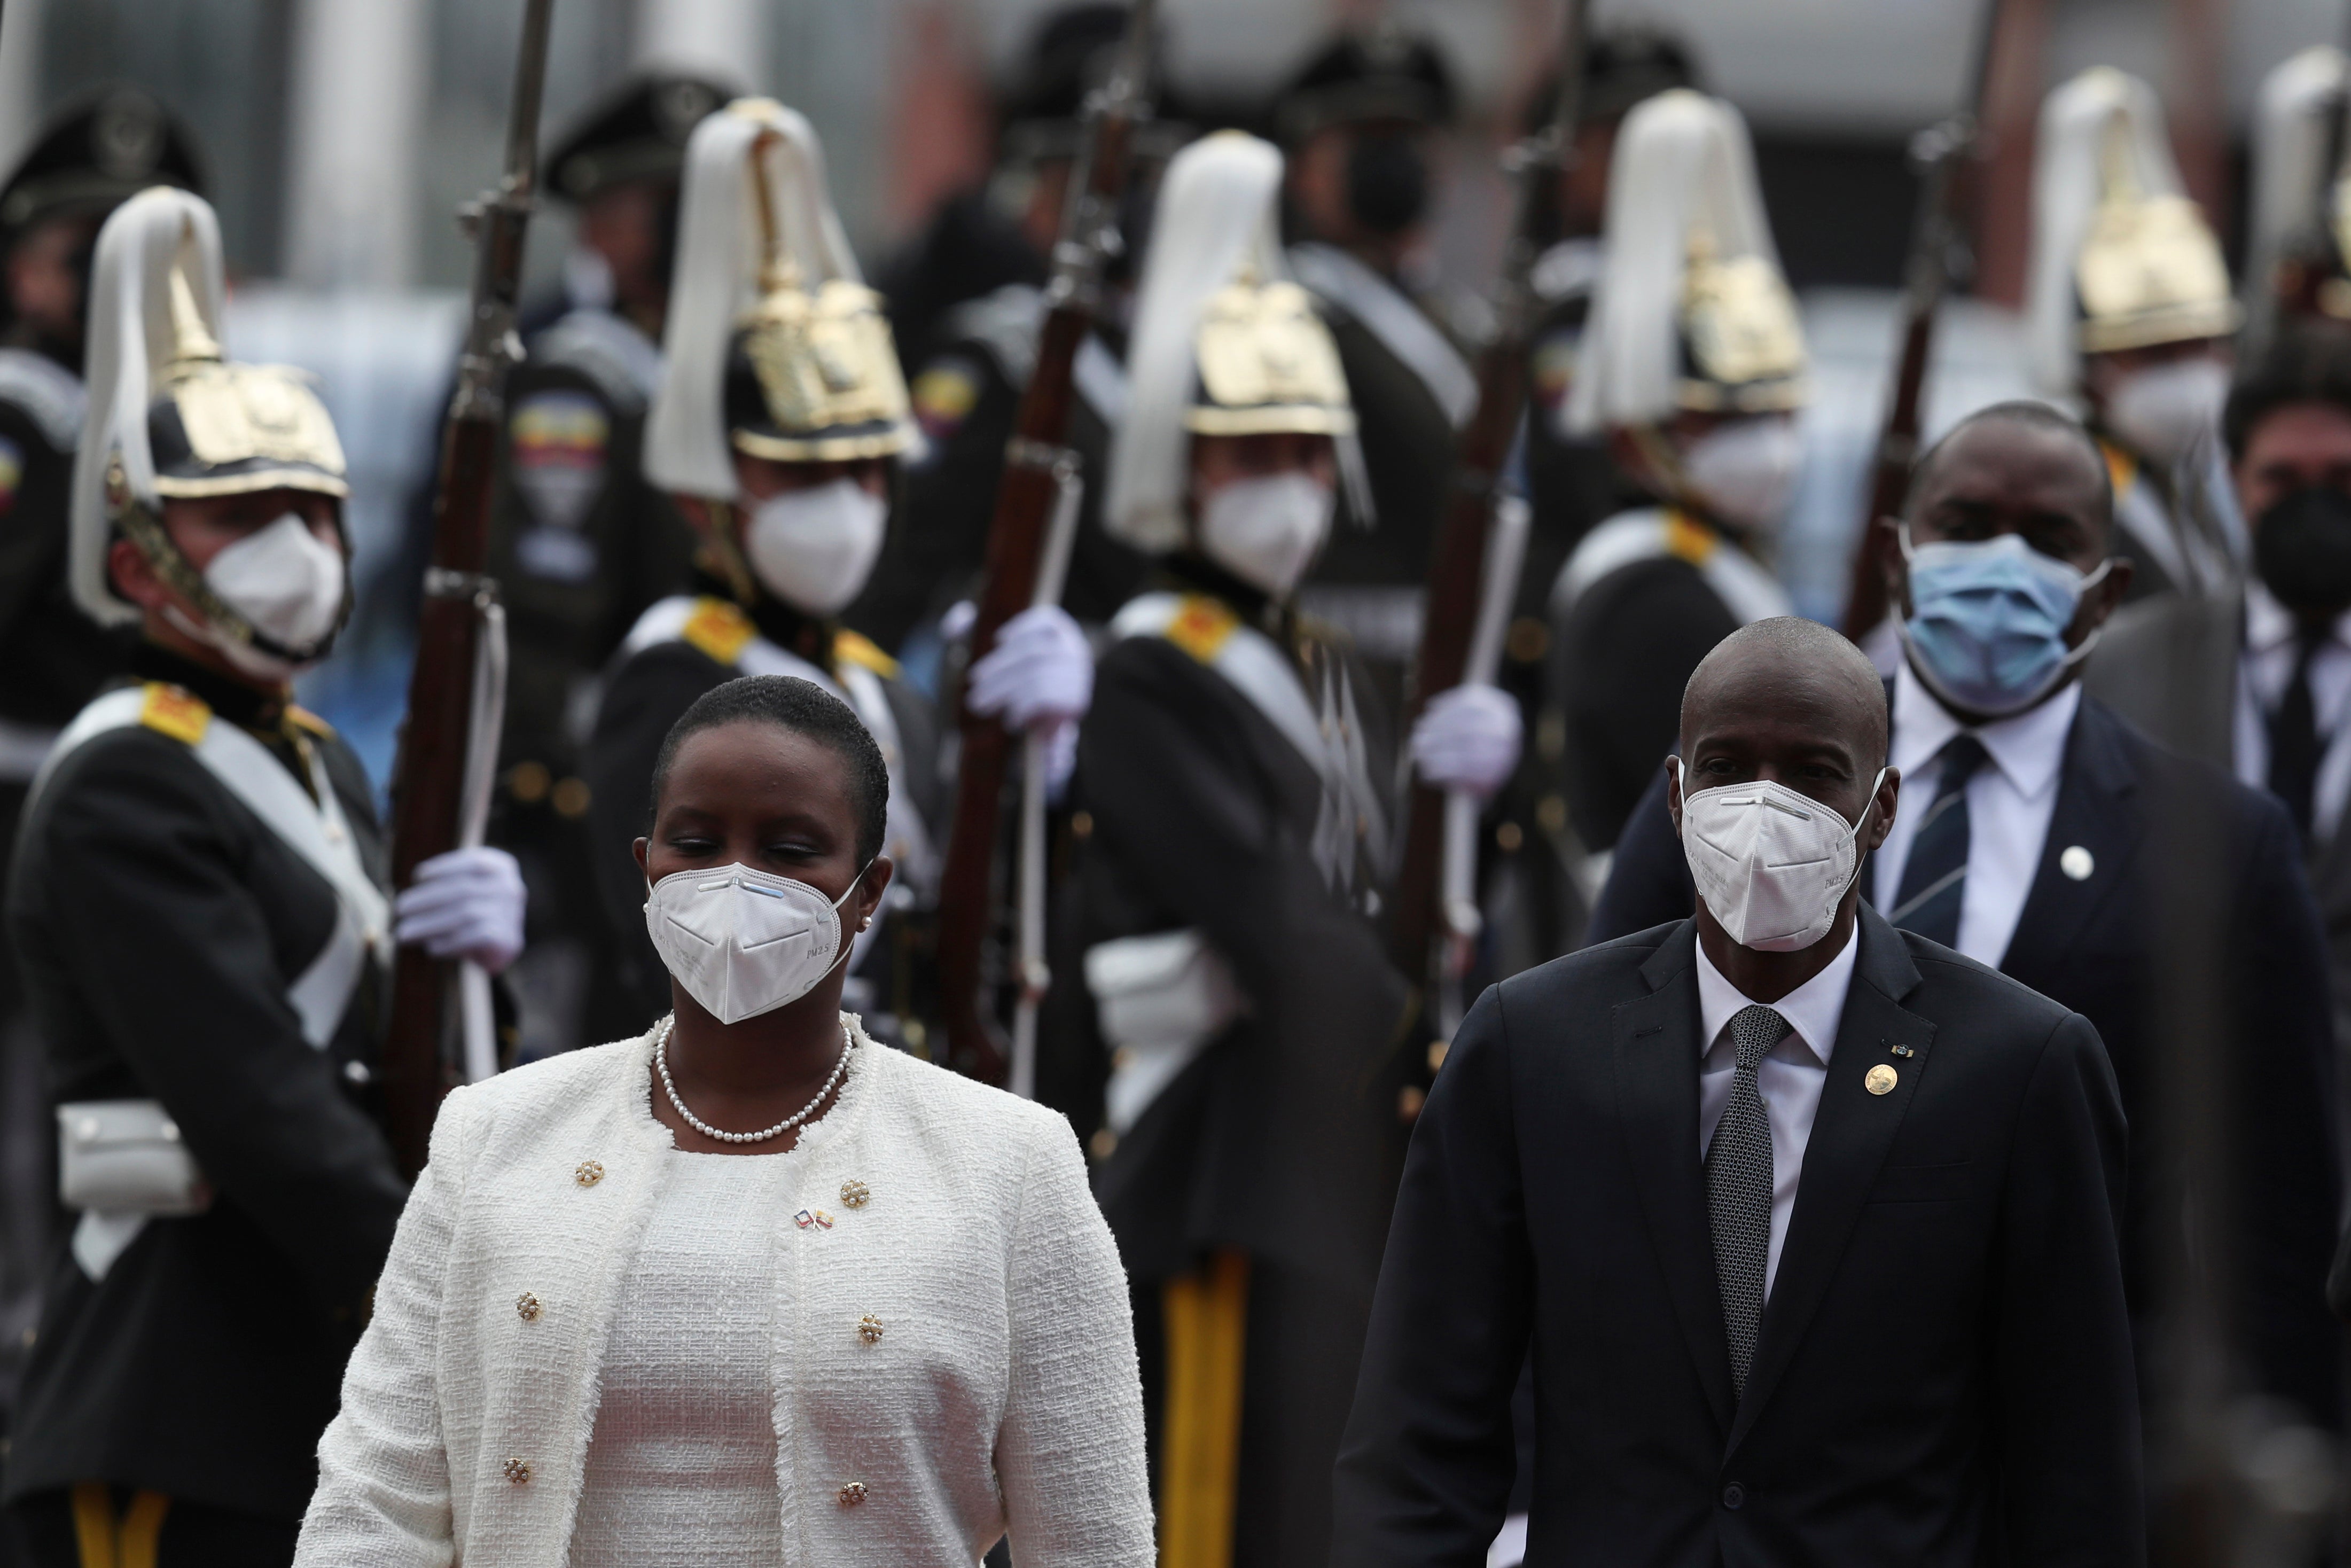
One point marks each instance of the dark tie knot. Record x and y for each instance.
(1961, 756)
(1755, 1030)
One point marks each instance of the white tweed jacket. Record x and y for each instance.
(1001, 1396)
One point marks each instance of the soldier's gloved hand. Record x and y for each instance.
(467, 903)
(1040, 674)
(1468, 739)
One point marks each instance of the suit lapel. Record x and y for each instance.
(1657, 1052)
(1851, 1133)
(2093, 813)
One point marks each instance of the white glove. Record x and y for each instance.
(1040, 674)
(467, 903)
(1468, 739)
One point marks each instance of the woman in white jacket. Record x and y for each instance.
(750, 1288)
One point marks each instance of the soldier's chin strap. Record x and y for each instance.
(217, 624)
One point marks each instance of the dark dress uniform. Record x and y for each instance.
(162, 923)
(682, 648)
(966, 399)
(1410, 395)
(1277, 1144)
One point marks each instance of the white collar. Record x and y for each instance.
(1813, 1009)
(2270, 625)
(2028, 746)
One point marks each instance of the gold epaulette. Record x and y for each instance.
(303, 718)
(2121, 468)
(175, 711)
(719, 630)
(1688, 540)
(850, 648)
(1201, 626)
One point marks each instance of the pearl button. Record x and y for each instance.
(516, 1470)
(2077, 863)
(527, 1307)
(588, 1173)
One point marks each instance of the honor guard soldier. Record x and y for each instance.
(971, 354)
(2127, 310)
(199, 910)
(84, 162)
(777, 425)
(1571, 481)
(580, 541)
(1229, 1032)
(2294, 242)
(1692, 367)
(1360, 126)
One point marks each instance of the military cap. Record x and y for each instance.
(637, 134)
(96, 154)
(1623, 66)
(1384, 73)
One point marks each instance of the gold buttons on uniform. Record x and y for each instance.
(527, 1307)
(869, 1329)
(852, 1494)
(853, 1193)
(1881, 1080)
(517, 1471)
(588, 1173)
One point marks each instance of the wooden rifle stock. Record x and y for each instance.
(1940, 152)
(429, 779)
(1457, 561)
(969, 902)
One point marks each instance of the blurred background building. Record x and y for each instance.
(339, 135)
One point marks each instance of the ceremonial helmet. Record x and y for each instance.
(1223, 344)
(2121, 257)
(1692, 313)
(170, 417)
(774, 344)
(2300, 218)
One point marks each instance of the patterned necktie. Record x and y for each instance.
(1739, 1189)
(1935, 877)
(2297, 749)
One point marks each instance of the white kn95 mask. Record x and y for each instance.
(1771, 864)
(744, 942)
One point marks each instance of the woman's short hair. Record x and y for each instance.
(806, 709)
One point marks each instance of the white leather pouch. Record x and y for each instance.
(125, 1157)
(1160, 1000)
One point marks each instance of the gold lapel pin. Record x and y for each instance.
(1881, 1080)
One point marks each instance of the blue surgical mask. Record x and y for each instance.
(1988, 621)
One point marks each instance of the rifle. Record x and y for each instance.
(450, 741)
(1937, 153)
(1457, 564)
(1017, 538)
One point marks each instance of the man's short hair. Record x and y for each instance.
(2307, 361)
(2032, 415)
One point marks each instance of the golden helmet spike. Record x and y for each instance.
(192, 341)
(827, 369)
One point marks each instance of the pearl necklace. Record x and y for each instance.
(660, 1065)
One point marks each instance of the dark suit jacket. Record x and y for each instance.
(1942, 1377)
(2090, 944)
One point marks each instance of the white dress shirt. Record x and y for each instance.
(2011, 799)
(2263, 676)
(1790, 1076)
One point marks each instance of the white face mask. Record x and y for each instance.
(1744, 472)
(2165, 410)
(1771, 864)
(287, 583)
(1266, 530)
(744, 942)
(814, 549)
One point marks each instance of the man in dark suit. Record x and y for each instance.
(1813, 1224)
(2057, 883)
